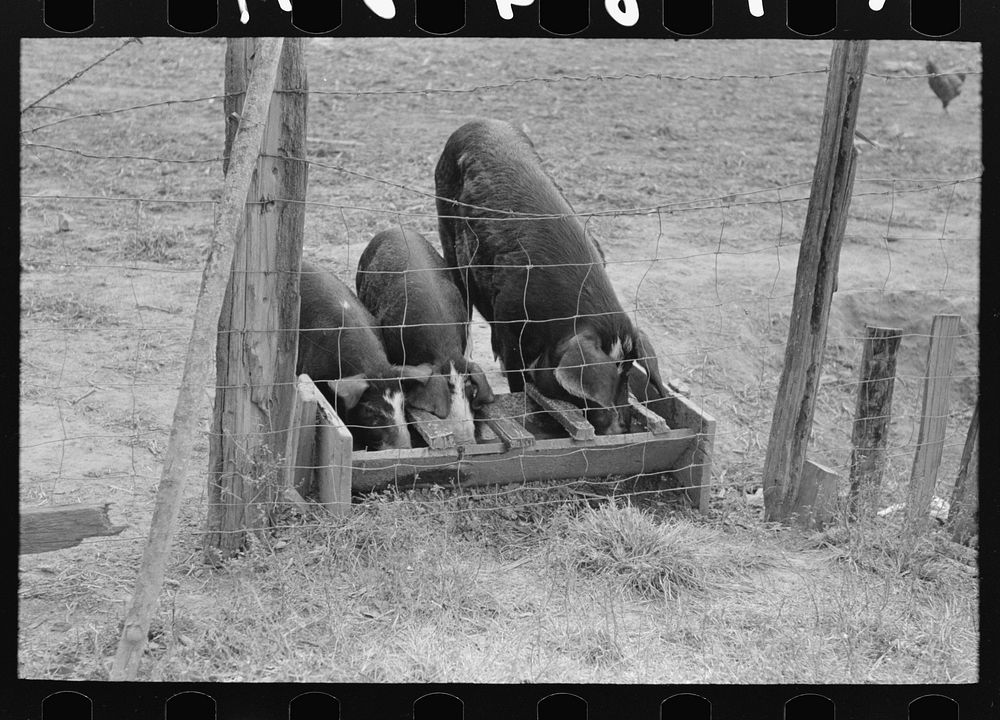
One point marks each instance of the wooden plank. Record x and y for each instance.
(546, 460)
(257, 326)
(301, 436)
(432, 429)
(334, 450)
(815, 280)
(933, 421)
(512, 433)
(817, 498)
(44, 529)
(694, 467)
(197, 367)
(646, 419)
(871, 417)
(569, 416)
(963, 515)
(631, 441)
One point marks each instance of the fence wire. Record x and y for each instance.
(139, 346)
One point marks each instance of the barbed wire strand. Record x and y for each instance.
(516, 82)
(76, 76)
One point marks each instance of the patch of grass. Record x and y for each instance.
(648, 557)
(154, 245)
(72, 311)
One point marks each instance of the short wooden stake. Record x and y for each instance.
(817, 497)
(963, 516)
(933, 421)
(872, 415)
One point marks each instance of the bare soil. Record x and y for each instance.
(697, 154)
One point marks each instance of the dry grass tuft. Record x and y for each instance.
(647, 557)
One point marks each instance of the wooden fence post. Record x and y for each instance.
(872, 415)
(256, 345)
(197, 367)
(933, 421)
(815, 280)
(963, 516)
(817, 497)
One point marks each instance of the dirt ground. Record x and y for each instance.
(697, 154)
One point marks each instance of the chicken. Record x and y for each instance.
(946, 87)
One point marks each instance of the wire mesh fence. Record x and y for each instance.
(118, 203)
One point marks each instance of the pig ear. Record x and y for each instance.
(586, 371)
(419, 373)
(349, 389)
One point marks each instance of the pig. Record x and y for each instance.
(420, 312)
(339, 350)
(527, 265)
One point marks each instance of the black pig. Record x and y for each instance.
(420, 312)
(340, 351)
(528, 267)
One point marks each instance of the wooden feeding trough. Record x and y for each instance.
(520, 437)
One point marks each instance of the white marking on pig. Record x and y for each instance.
(640, 368)
(395, 398)
(460, 417)
(616, 350)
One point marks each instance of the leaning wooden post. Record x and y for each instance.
(963, 516)
(872, 415)
(815, 280)
(933, 421)
(256, 345)
(197, 367)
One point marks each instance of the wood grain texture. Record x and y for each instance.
(933, 420)
(872, 413)
(50, 528)
(963, 516)
(256, 342)
(815, 280)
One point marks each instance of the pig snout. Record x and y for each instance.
(460, 414)
(379, 422)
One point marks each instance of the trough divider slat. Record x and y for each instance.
(567, 415)
(648, 419)
(435, 433)
(508, 429)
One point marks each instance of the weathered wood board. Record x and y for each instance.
(517, 440)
